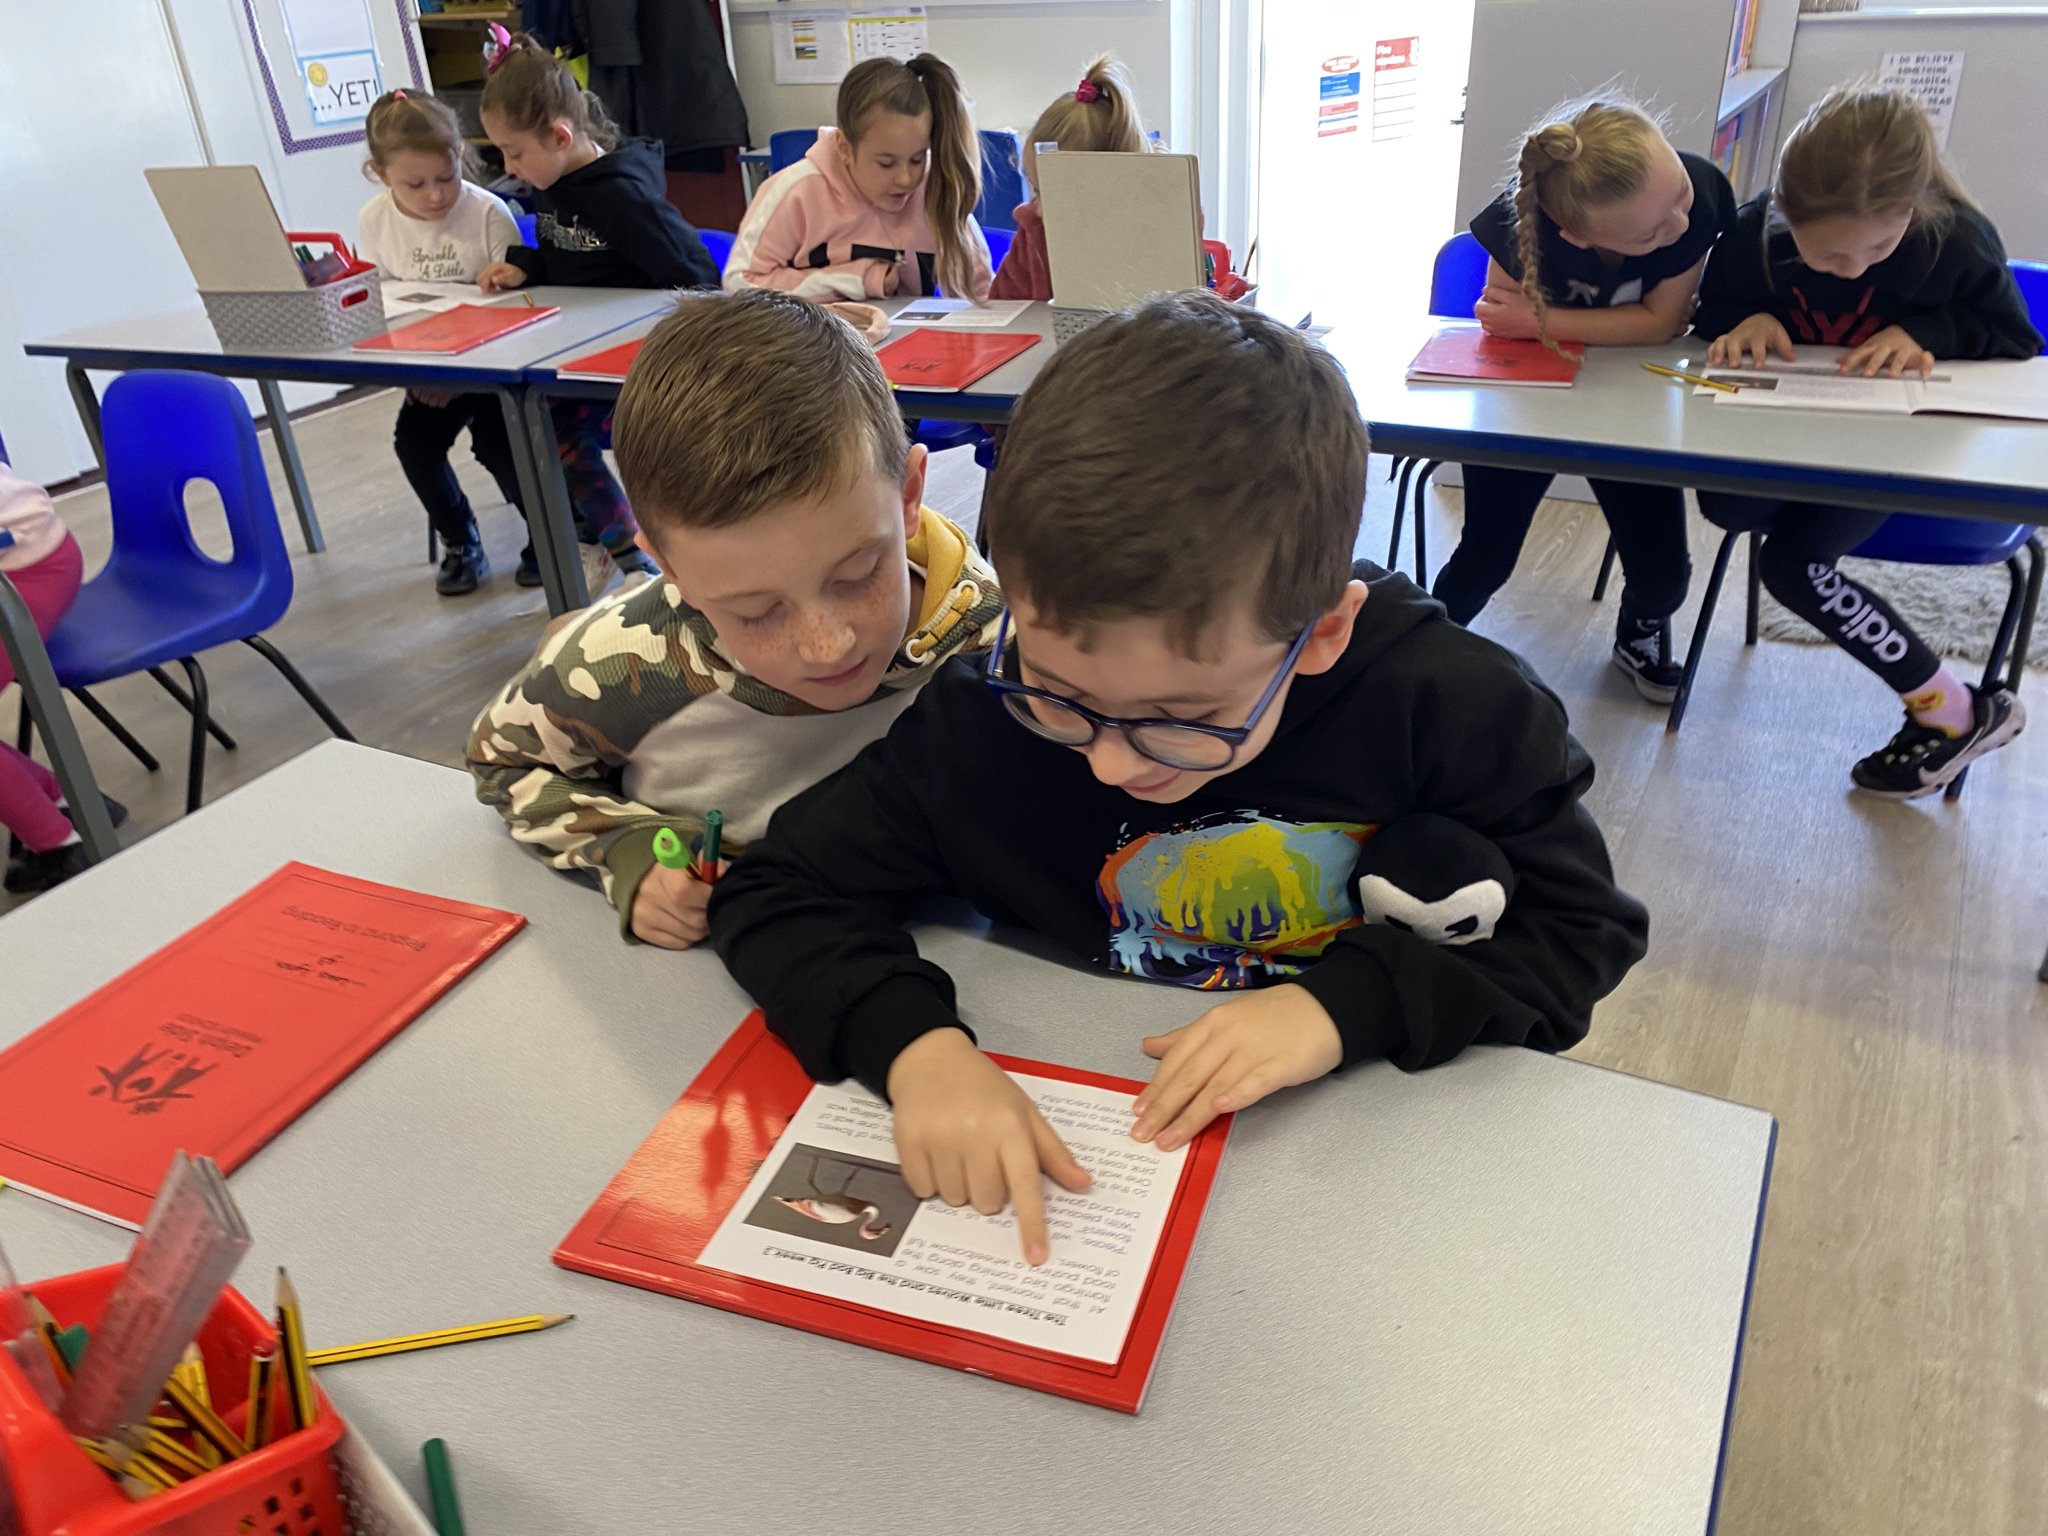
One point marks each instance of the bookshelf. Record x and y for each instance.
(1746, 126)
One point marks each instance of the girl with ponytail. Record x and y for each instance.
(1599, 237)
(883, 204)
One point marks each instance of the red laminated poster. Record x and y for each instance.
(224, 1036)
(611, 363)
(1464, 354)
(764, 1193)
(458, 329)
(948, 361)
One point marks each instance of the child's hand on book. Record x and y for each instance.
(1891, 351)
(1507, 312)
(670, 908)
(1234, 1055)
(499, 277)
(967, 1133)
(1753, 340)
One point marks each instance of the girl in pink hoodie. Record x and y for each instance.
(41, 558)
(1100, 114)
(883, 205)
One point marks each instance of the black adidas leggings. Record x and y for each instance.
(1802, 542)
(1647, 521)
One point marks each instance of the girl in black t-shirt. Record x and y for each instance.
(1868, 246)
(1599, 237)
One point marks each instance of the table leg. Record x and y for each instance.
(554, 504)
(44, 700)
(540, 528)
(87, 401)
(294, 470)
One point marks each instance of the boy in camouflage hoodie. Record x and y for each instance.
(807, 595)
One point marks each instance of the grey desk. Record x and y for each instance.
(184, 338)
(1506, 1295)
(1618, 420)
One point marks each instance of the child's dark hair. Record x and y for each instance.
(1176, 459)
(412, 120)
(702, 427)
(1100, 115)
(529, 88)
(953, 181)
(1583, 156)
(1862, 150)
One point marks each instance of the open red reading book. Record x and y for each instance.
(940, 361)
(611, 363)
(1465, 354)
(764, 1193)
(224, 1036)
(458, 329)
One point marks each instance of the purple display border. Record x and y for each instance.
(297, 146)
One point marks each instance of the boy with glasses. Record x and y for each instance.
(1198, 715)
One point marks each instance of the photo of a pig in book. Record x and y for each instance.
(837, 1198)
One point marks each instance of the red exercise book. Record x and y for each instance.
(611, 363)
(227, 1034)
(658, 1214)
(458, 329)
(936, 360)
(1465, 354)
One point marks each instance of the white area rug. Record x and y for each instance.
(1954, 607)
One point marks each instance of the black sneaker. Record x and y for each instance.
(34, 872)
(528, 574)
(463, 568)
(1921, 759)
(1642, 649)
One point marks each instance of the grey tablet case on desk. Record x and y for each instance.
(1118, 228)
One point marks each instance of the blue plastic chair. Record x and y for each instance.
(528, 224)
(1910, 539)
(789, 146)
(1455, 283)
(1002, 179)
(718, 245)
(161, 598)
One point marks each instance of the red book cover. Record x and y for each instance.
(664, 1208)
(458, 329)
(936, 360)
(611, 363)
(1465, 354)
(227, 1034)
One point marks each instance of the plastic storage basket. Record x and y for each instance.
(335, 314)
(292, 1487)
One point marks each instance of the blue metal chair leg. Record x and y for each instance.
(2008, 641)
(117, 730)
(1756, 587)
(195, 756)
(1606, 570)
(276, 658)
(170, 686)
(1429, 467)
(1699, 630)
(1400, 510)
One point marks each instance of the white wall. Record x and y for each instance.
(1013, 59)
(1999, 141)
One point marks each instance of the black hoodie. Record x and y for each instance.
(610, 224)
(1247, 882)
(1951, 292)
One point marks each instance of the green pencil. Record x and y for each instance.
(441, 1488)
(707, 862)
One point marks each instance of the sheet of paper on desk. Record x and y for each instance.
(402, 299)
(829, 1213)
(223, 1037)
(2008, 388)
(961, 314)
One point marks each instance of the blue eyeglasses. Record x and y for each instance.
(1183, 744)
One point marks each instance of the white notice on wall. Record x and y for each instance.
(335, 53)
(811, 49)
(1935, 80)
(895, 34)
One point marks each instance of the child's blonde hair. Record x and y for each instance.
(1584, 156)
(953, 180)
(1101, 114)
(1866, 149)
(529, 88)
(412, 120)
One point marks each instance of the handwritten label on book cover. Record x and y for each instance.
(225, 1035)
(828, 1212)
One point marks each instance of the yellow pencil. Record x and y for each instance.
(341, 1354)
(173, 1456)
(262, 1381)
(529, 300)
(1694, 378)
(298, 1376)
(204, 1421)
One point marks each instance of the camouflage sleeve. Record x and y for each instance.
(549, 751)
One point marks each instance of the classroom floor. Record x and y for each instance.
(1865, 971)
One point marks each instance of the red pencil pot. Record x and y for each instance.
(288, 1488)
